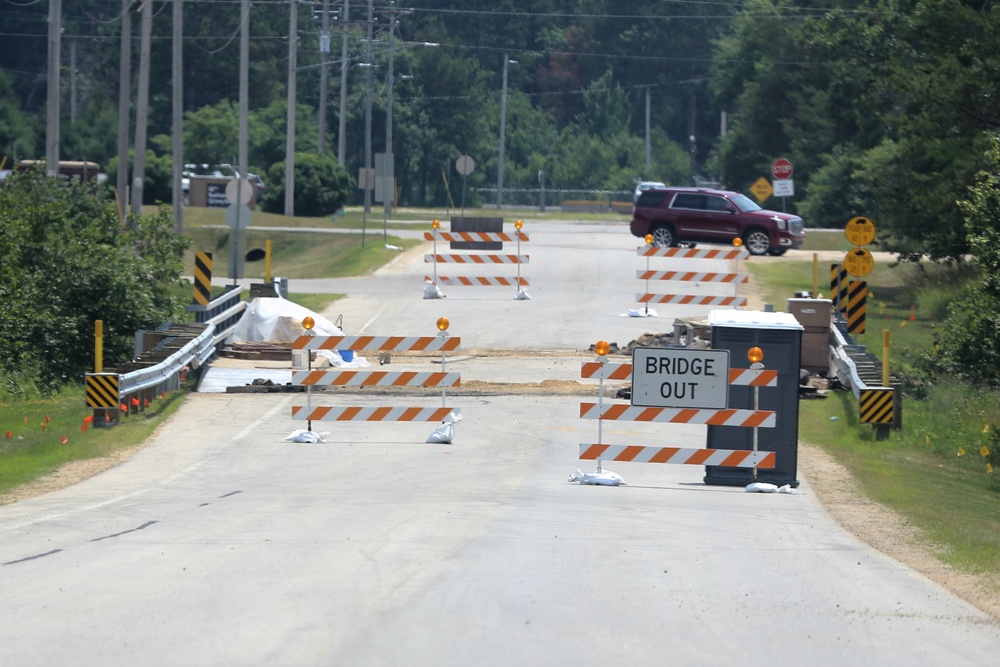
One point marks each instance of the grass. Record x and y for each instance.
(932, 470)
(298, 254)
(919, 471)
(41, 435)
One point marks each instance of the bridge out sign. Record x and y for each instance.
(680, 378)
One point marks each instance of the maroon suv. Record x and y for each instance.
(699, 215)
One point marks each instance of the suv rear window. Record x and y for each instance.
(651, 199)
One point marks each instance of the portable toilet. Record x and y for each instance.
(779, 336)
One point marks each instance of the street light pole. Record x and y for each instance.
(503, 129)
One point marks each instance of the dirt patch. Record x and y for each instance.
(543, 388)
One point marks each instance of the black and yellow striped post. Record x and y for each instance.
(877, 406)
(202, 278)
(103, 395)
(857, 301)
(838, 288)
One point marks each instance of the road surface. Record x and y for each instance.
(222, 543)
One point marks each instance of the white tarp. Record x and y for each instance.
(274, 318)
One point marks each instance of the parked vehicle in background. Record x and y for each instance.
(258, 186)
(220, 171)
(642, 186)
(701, 215)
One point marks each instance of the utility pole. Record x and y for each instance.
(52, 93)
(691, 138)
(324, 55)
(390, 189)
(342, 130)
(237, 241)
(293, 40)
(244, 85)
(177, 120)
(368, 116)
(503, 129)
(72, 81)
(649, 151)
(142, 108)
(124, 96)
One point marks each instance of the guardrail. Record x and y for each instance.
(223, 311)
(861, 372)
(180, 349)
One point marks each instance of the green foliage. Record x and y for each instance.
(969, 343)
(18, 138)
(321, 186)
(65, 262)
(836, 193)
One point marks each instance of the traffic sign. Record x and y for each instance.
(859, 262)
(239, 188)
(860, 231)
(465, 165)
(680, 378)
(238, 217)
(761, 189)
(784, 188)
(781, 169)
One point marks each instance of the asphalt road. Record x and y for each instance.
(221, 543)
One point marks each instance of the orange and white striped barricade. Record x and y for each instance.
(698, 277)
(364, 377)
(738, 458)
(484, 259)
(602, 370)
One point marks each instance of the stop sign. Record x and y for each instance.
(781, 169)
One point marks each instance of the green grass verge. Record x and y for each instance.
(33, 434)
(931, 472)
(298, 254)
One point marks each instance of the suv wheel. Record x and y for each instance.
(663, 236)
(757, 242)
(777, 252)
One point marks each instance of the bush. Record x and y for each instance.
(66, 261)
(322, 186)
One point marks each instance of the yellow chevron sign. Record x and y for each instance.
(102, 390)
(876, 406)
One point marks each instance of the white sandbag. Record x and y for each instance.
(302, 435)
(597, 478)
(642, 312)
(761, 487)
(432, 291)
(445, 433)
(764, 487)
(521, 295)
(336, 360)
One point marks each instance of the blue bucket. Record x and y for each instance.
(346, 355)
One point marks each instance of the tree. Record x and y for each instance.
(969, 342)
(66, 261)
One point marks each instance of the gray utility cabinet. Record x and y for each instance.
(779, 336)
